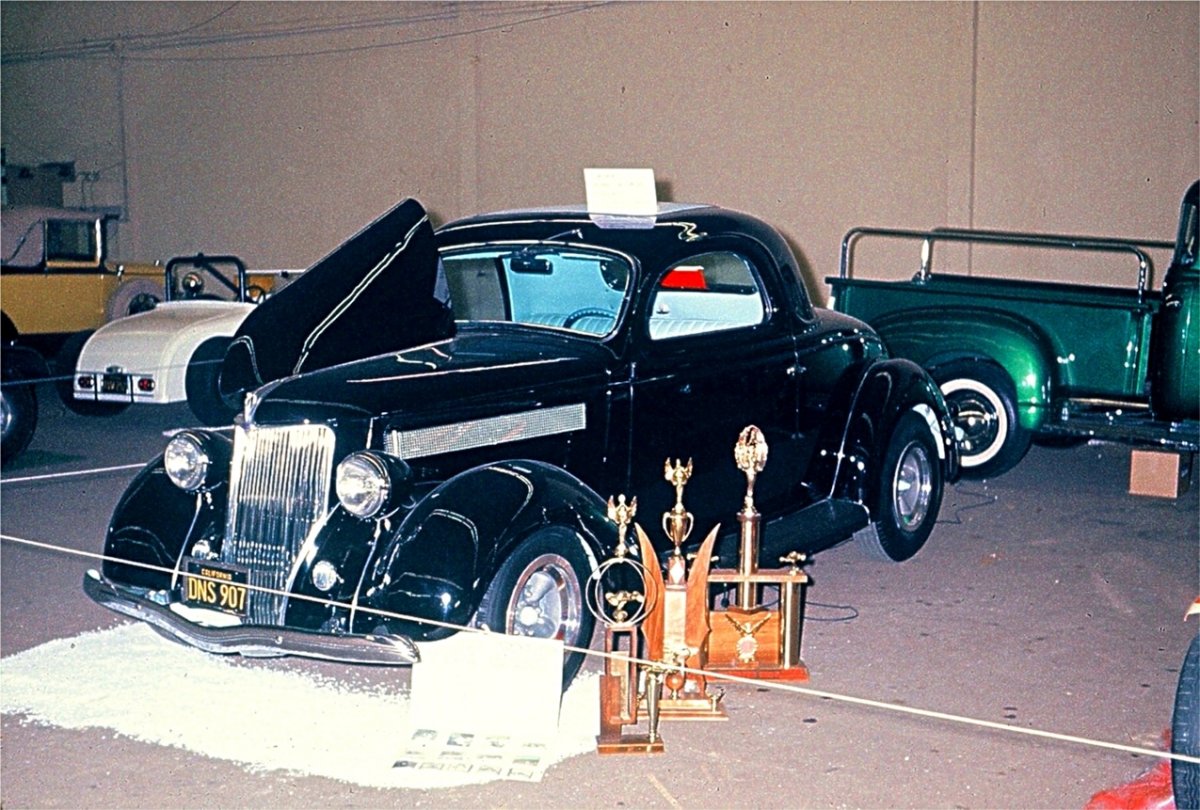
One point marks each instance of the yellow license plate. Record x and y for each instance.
(216, 586)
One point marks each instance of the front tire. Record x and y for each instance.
(909, 493)
(538, 592)
(203, 383)
(18, 417)
(65, 365)
(983, 404)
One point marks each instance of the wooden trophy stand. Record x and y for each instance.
(619, 699)
(677, 626)
(749, 639)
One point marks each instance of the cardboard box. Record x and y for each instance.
(1159, 474)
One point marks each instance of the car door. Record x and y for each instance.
(714, 354)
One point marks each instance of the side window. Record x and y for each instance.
(710, 292)
(474, 287)
(72, 241)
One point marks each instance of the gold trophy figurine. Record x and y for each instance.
(750, 453)
(622, 514)
(677, 523)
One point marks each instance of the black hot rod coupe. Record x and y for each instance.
(431, 422)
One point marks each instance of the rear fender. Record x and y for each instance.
(935, 337)
(886, 391)
(442, 557)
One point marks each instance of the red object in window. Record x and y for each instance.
(685, 277)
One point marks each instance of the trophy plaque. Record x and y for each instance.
(751, 638)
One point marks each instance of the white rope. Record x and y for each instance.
(70, 474)
(762, 684)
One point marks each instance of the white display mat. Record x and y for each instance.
(350, 733)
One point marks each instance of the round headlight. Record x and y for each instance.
(186, 461)
(367, 482)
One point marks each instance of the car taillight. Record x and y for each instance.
(145, 384)
(86, 381)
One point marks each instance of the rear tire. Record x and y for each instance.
(1185, 730)
(538, 592)
(65, 365)
(909, 494)
(203, 383)
(983, 404)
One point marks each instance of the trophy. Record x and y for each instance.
(677, 627)
(621, 611)
(748, 638)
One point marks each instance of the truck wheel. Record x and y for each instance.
(909, 493)
(18, 417)
(65, 365)
(134, 296)
(982, 401)
(538, 592)
(203, 391)
(1185, 729)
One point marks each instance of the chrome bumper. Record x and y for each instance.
(251, 640)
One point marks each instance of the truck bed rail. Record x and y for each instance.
(1098, 244)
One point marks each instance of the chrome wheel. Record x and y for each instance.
(979, 414)
(912, 486)
(547, 601)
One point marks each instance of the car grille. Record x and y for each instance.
(278, 490)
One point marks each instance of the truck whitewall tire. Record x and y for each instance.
(982, 401)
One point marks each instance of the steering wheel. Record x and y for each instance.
(587, 312)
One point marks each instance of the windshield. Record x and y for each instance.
(575, 289)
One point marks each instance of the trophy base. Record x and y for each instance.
(799, 672)
(691, 709)
(629, 744)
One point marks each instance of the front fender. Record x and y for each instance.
(439, 561)
(935, 337)
(153, 524)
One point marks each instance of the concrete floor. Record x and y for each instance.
(1048, 598)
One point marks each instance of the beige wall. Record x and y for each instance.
(275, 130)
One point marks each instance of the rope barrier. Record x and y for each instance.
(25, 479)
(761, 684)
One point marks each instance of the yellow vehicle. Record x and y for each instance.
(56, 279)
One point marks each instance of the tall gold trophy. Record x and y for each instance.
(677, 626)
(749, 638)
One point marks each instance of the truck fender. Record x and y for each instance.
(1010, 342)
(440, 560)
(886, 391)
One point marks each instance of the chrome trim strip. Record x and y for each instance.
(474, 433)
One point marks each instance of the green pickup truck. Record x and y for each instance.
(1019, 361)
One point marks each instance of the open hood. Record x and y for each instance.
(373, 294)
